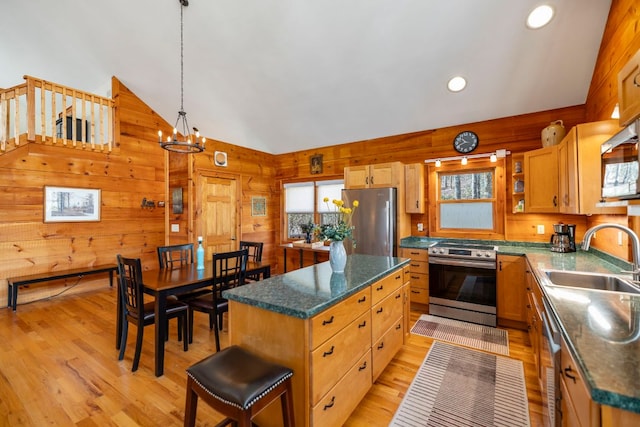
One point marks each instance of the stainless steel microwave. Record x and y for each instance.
(619, 161)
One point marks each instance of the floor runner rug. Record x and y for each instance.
(468, 334)
(457, 386)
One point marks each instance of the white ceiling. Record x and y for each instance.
(286, 75)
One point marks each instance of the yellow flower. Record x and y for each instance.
(342, 228)
(326, 199)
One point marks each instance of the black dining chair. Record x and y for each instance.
(142, 314)
(175, 256)
(255, 254)
(228, 272)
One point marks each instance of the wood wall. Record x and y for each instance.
(138, 168)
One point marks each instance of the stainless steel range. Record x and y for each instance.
(462, 282)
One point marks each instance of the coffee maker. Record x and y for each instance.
(564, 238)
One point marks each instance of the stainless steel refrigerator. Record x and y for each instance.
(374, 221)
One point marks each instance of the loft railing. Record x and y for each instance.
(49, 113)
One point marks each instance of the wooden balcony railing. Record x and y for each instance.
(49, 113)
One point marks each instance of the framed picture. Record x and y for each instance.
(64, 204)
(258, 206)
(316, 164)
(176, 200)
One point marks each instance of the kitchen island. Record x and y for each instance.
(336, 331)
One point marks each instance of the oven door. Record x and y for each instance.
(467, 281)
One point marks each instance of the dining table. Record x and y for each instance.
(164, 282)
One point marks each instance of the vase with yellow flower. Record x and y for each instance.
(336, 232)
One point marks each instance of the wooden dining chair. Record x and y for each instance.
(255, 254)
(229, 269)
(142, 314)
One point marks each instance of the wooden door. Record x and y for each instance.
(219, 223)
(568, 173)
(356, 177)
(512, 296)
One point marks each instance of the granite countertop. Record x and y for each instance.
(601, 328)
(308, 291)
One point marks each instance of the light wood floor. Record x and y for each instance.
(58, 366)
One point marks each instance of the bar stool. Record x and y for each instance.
(238, 384)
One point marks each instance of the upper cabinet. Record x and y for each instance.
(374, 176)
(541, 180)
(566, 177)
(414, 186)
(629, 90)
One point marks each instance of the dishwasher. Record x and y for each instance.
(549, 368)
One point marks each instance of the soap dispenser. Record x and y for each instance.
(200, 254)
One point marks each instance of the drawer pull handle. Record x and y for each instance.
(381, 346)
(398, 277)
(363, 366)
(379, 288)
(398, 296)
(330, 404)
(414, 292)
(326, 322)
(363, 324)
(328, 353)
(414, 253)
(415, 277)
(568, 375)
(363, 299)
(398, 326)
(379, 310)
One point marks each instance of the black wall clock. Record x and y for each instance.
(465, 142)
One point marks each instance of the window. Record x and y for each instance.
(465, 199)
(304, 204)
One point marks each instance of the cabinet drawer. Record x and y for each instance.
(577, 395)
(334, 358)
(385, 348)
(332, 320)
(336, 406)
(415, 254)
(385, 286)
(385, 313)
(419, 280)
(419, 295)
(421, 267)
(406, 273)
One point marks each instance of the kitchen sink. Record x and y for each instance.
(603, 282)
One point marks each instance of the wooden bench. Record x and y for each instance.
(13, 283)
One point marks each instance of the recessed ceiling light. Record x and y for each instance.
(540, 16)
(456, 84)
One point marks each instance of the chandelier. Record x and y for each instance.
(192, 143)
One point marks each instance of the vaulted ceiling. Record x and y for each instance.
(286, 75)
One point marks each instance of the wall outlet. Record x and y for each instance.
(541, 229)
(175, 228)
(619, 238)
(420, 226)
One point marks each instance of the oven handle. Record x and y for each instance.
(487, 265)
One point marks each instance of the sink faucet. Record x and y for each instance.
(635, 242)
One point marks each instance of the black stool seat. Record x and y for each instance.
(237, 378)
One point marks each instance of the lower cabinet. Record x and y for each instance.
(511, 291)
(577, 407)
(419, 278)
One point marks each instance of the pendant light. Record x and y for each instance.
(192, 143)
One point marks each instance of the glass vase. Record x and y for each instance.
(337, 256)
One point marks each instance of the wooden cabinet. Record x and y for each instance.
(406, 302)
(419, 278)
(511, 290)
(629, 90)
(534, 321)
(517, 183)
(414, 186)
(374, 176)
(541, 180)
(565, 178)
(577, 407)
